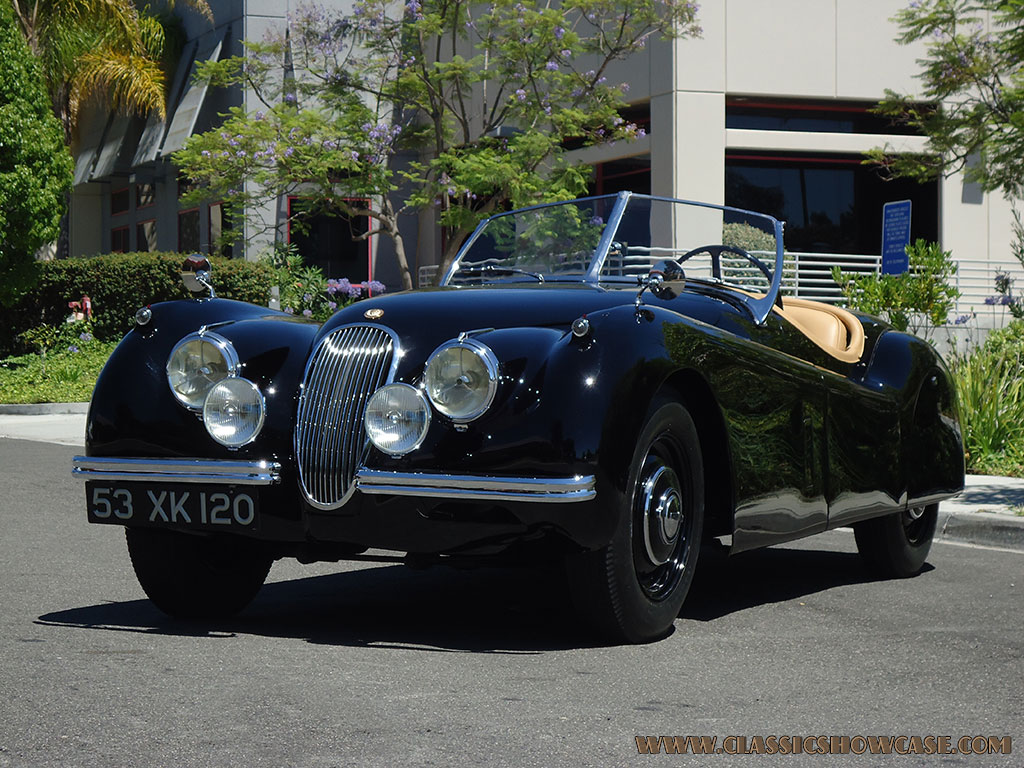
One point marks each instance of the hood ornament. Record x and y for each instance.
(374, 314)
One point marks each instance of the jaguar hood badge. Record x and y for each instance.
(373, 314)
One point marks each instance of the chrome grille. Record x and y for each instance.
(347, 366)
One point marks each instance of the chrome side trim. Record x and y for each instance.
(177, 470)
(477, 488)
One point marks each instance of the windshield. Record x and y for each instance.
(615, 239)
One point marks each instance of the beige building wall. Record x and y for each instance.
(798, 49)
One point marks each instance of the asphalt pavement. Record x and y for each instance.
(378, 665)
(990, 511)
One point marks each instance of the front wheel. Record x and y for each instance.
(632, 589)
(897, 545)
(196, 577)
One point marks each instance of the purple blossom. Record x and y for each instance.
(566, 53)
(289, 152)
(559, 31)
(992, 300)
(331, 305)
(374, 286)
(597, 221)
(289, 310)
(551, 66)
(205, 153)
(85, 336)
(307, 312)
(73, 349)
(307, 297)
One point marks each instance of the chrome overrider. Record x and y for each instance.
(177, 470)
(476, 488)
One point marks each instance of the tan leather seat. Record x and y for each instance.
(833, 329)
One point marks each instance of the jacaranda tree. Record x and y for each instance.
(447, 104)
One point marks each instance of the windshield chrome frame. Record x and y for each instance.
(759, 308)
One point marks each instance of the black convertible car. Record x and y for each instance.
(568, 392)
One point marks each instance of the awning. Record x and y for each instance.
(90, 140)
(110, 150)
(185, 115)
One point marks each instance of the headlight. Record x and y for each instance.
(197, 362)
(461, 378)
(397, 417)
(233, 412)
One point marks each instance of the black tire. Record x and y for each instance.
(196, 577)
(897, 545)
(632, 589)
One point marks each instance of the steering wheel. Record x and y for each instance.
(716, 265)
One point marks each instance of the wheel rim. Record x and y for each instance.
(915, 525)
(661, 523)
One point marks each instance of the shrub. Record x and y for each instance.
(118, 284)
(906, 301)
(990, 385)
(747, 237)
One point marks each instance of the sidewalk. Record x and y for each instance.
(983, 514)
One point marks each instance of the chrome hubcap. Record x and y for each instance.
(661, 525)
(662, 514)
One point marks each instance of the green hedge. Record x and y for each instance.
(118, 284)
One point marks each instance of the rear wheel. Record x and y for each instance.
(632, 589)
(897, 545)
(196, 577)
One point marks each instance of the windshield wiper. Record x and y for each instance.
(502, 270)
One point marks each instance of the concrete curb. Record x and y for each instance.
(990, 529)
(40, 409)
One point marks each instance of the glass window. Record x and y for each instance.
(119, 240)
(145, 235)
(188, 231)
(220, 223)
(145, 195)
(325, 240)
(821, 117)
(631, 174)
(120, 201)
(830, 203)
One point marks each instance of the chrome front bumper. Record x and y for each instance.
(557, 490)
(177, 470)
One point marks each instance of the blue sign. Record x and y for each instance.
(895, 237)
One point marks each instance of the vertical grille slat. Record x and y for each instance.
(347, 366)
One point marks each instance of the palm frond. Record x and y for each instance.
(133, 83)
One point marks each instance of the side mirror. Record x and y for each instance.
(195, 274)
(666, 280)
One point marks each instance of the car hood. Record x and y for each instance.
(446, 312)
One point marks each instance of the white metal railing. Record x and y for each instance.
(425, 275)
(806, 275)
(977, 285)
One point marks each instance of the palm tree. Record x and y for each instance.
(96, 48)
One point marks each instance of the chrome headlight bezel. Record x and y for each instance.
(482, 353)
(259, 401)
(227, 353)
(420, 398)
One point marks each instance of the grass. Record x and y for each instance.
(62, 376)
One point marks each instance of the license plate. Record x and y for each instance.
(205, 507)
